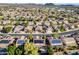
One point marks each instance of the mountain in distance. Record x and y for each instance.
(49, 4)
(62, 4)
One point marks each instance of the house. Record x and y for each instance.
(66, 27)
(56, 28)
(6, 22)
(37, 37)
(77, 24)
(77, 40)
(22, 37)
(18, 28)
(31, 23)
(36, 32)
(69, 41)
(65, 21)
(39, 23)
(29, 27)
(49, 37)
(72, 26)
(38, 28)
(47, 23)
(49, 30)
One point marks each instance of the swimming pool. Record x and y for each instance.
(20, 41)
(55, 41)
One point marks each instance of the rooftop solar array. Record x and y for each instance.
(4, 41)
(38, 41)
(3, 51)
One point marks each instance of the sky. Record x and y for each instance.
(40, 1)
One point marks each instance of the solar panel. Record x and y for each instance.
(38, 41)
(3, 51)
(5, 41)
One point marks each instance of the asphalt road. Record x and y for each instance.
(26, 34)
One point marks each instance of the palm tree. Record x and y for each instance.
(31, 37)
(44, 37)
(62, 29)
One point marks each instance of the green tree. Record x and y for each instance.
(51, 24)
(55, 48)
(72, 47)
(44, 37)
(18, 51)
(26, 23)
(8, 29)
(55, 35)
(21, 19)
(11, 50)
(62, 29)
(1, 17)
(17, 23)
(30, 49)
(31, 37)
(50, 50)
(58, 48)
